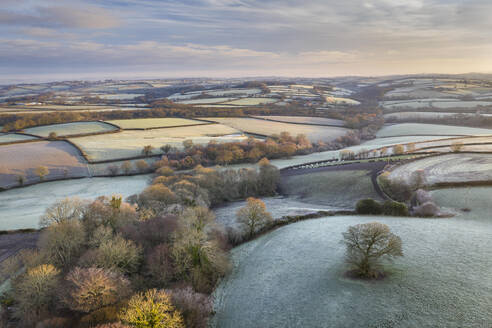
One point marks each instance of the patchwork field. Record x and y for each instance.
(268, 128)
(409, 129)
(402, 116)
(12, 137)
(432, 103)
(206, 101)
(67, 129)
(59, 157)
(128, 144)
(341, 101)
(304, 120)
(450, 168)
(151, 123)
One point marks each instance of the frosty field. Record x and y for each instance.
(293, 277)
(262, 127)
(251, 101)
(21, 208)
(67, 129)
(454, 168)
(128, 144)
(409, 129)
(337, 188)
(12, 137)
(150, 123)
(304, 120)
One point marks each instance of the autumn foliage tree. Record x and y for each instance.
(253, 216)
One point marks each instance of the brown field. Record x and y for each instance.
(61, 158)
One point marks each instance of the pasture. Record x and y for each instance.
(59, 157)
(68, 129)
(301, 267)
(152, 123)
(269, 128)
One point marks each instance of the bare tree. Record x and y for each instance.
(63, 210)
(367, 245)
(41, 172)
(147, 150)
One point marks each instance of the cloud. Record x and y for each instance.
(87, 17)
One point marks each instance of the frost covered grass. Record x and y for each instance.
(11, 137)
(338, 188)
(251, 101)
(341, 101)
(205, 101)
(128, 144)
(450, 168)
(268, 128)
(304, 120)
(294, 277)
(432, 103)
(21, 208)
(59, 157)
(412, 129)
(150, 123)
(67, 129)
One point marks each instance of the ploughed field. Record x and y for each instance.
(59, 157)
(294, 275)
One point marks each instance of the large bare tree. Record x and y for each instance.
(368, 244)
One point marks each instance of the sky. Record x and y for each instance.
(74, 39)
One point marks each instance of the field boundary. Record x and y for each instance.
(298, 123)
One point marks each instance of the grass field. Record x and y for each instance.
(251, 101)
(61, 158)
(341, 189)
(409, 129)
(439, 282)
(12, 137)
(304, 120)
(263, 127)
(21, 208)
(67, 129)
(149, 123)
(127, 144)
(205, 101)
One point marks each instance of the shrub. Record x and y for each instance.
(368, 206)
(427, 209)
(41, 172)
(147, 150)
(398, 149)
(62, 243)
(56, 322)
(152, 309)
(113, 169)
(195, 307)
(142, 166)
(126, 167)
(397, 188)
(101, 318)
(367, 244)
(152, 232)
(34, 292)
(393, 208)
(89, 289)
(456, 146)
(113, 325)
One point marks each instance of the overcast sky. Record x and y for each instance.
(71, 39)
